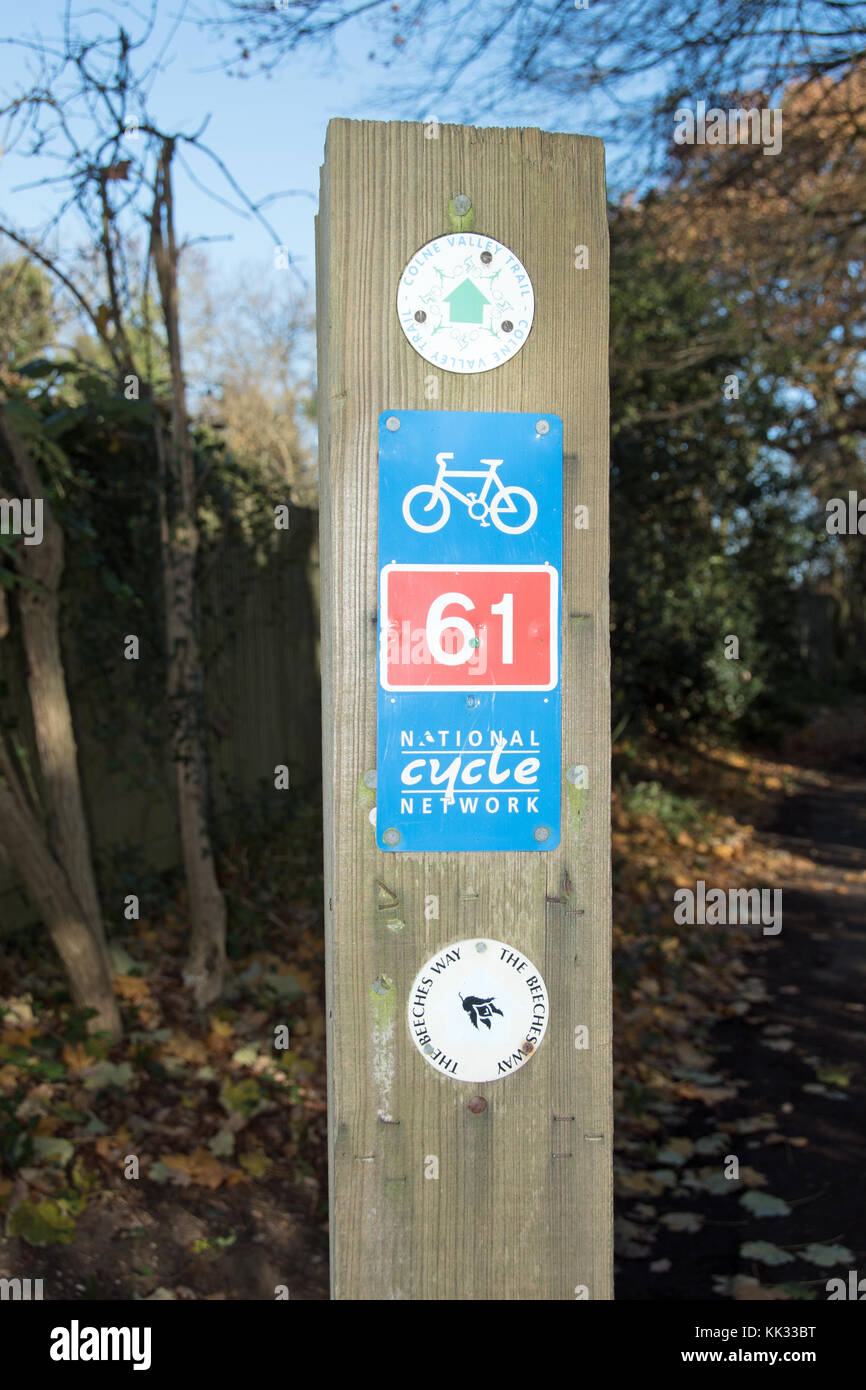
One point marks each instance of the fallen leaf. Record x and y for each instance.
(255, 1164)
(76, 1057)
(57, 1152)
(200, 1167)
(751, 1177)
(132, 988)
(105, 1074)
(222, 1144)
(686, 1221)
(752, 1292)
(42, 1223)
(185, 1049)
(765, 1253)
(827, 1255)
(763, 1204)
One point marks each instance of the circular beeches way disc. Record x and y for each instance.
(478, 1010)
(465, 302)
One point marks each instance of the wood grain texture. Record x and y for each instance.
(522, 1208)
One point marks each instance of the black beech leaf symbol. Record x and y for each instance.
(480, 1008)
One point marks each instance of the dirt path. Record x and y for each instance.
(798, 1057)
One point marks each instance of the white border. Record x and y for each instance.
(476, 685)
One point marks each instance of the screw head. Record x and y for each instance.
(507, 325)
(542, 427)
(477, 1105)
(541, 832)
(391, 836)
(472, 702)
(481, 946)
(369, 778)
(420, 316)
(392, 423)
(486, 257)
(462, 204)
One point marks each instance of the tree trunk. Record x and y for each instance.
(59, 876)
(82, 952)
(205, 968)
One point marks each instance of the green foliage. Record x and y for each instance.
(27, 315)
(675, 813)
(706, 525)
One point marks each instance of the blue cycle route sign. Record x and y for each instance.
(470, 596)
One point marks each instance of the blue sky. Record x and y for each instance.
(269, 131)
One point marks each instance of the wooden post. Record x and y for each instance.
(522, 1204)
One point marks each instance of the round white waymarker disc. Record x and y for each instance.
(465, 302)
(478, 1010)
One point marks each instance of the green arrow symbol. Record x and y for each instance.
(466, 303)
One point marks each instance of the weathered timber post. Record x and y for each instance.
(462, 319)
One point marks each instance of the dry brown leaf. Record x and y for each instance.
(200, 1167)
(76, 1057)
(133, 988)
(187, 1049)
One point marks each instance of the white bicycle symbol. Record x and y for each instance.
(515, 500)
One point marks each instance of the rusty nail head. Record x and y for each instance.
(478, 1105)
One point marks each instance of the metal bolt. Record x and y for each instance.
(429, 1049)
(382, 984)
(472, 702)
(541, 427)
(541, 832)
(392, 423)
(391, 836)
(420, 316)
(462, 204)
(507, 325)
(481, 946)
(478, 1105)
(486, 257)
(576, 775)
(369, 778)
